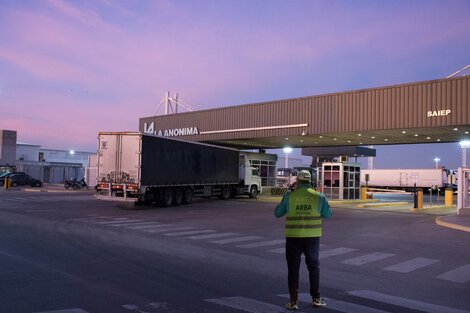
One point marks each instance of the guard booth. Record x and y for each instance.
(340, 181)
(463, 191)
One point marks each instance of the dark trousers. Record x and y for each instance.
(294, 249)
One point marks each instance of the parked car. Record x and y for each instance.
(22, 179)
(5, 175)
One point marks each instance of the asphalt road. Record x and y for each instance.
(69, 253)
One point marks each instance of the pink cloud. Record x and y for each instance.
(90, 68)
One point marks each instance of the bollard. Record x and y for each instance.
(363, 193)
(449, 197)
(418, 199)
(5, 186)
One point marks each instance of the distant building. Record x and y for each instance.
(7, 147)
(48, 165)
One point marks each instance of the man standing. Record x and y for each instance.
(304, 209)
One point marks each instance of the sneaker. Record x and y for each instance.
(319, 302)
(291, 306)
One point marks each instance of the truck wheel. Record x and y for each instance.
(253, 192)
(187, 195)
(167, 197)
(225, 193)
(178, 196)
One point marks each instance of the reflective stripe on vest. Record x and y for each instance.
(303, 218)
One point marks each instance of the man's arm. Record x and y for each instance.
(282, 208)
(325, 210)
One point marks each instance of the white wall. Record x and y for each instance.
(26, 152)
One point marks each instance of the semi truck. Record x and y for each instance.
(143, 168)
(405, 179)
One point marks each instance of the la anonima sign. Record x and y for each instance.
(185, 131)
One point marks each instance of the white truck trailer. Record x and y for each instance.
(405, 179)
(144, 168)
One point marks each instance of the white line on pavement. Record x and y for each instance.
(170, 229)
(404, 302)
(248, 305)
(211, 236)
(238, 239)
(278, 250)
(338, 305)
(191, 232)
(263, 244)
(411, 265)
(334, 252)
(458, 275)
(155, 225)
(368, 258)
(119, 222)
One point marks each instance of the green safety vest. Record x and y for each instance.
(303, 218)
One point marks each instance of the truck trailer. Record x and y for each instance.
(406, 179)
(144, 168)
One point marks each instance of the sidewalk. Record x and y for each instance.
(458, 222)
(50, 187)
(447, 217)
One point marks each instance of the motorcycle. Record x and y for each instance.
(75, 184)
(69, 183)
(79, 184)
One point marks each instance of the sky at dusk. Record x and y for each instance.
(69, 69)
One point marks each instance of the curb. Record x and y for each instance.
(442, 223)
(374, 205)
(42, 190)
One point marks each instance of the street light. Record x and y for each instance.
(464, 144)
(437, 162)
(287, 150)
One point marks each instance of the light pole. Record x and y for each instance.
(287, 150)
(437, 162)
(464, 144)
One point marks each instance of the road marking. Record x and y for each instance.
(411, 265)
(458, 275)
(65, 311)
(404, 302)
(368, 258)
(278, 250)
(131, 307)
(155, 225)
(263, 244)
(338, 305)
(144, 225)
(211, 236)
(193, 232)
(149, 227)
(170, 229)
(137, 224)
(238, 239)
(119, 222)
(97, 218)
(334, 252)
(248, 305)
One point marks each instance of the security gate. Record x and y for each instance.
(463, 197)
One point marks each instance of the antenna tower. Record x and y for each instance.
(172, 104)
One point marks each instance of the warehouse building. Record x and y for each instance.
(433, 111)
